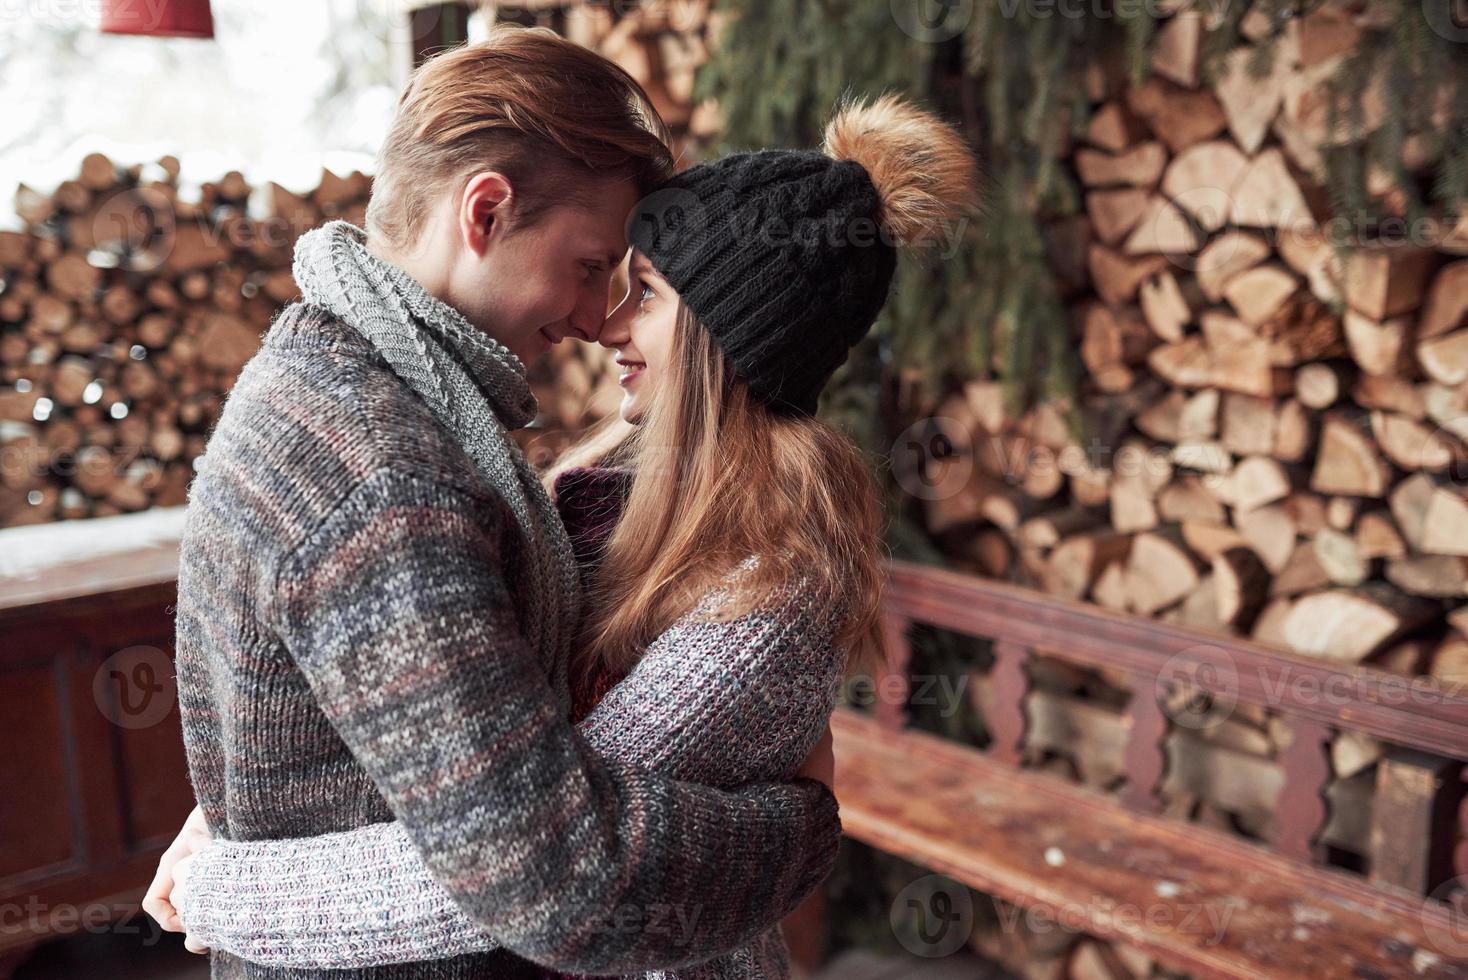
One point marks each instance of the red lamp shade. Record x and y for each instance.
(158, 18)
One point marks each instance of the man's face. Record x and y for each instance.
(529, 288)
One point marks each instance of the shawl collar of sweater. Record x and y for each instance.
(475, 387)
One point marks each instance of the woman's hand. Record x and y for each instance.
(166, 891)
(821, 763)
(179, 899)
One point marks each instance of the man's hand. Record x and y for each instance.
(821, 763)
(172, 871)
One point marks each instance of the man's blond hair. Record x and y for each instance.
(546, 112)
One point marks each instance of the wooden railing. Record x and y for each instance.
(99, 797)
(1419, 819)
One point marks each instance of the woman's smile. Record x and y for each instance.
(630, 371)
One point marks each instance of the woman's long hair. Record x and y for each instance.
(719, 477)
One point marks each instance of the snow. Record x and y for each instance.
(26, 552)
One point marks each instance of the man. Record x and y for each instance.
(376, 597)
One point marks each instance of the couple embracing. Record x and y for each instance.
(449, 717)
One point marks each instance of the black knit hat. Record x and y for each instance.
(786, 257)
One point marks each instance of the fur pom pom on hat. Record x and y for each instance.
(786, 257)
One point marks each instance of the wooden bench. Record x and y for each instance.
(1197, 899)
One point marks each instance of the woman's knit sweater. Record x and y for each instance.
(718, 703)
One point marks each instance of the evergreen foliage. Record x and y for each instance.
(1015, 81)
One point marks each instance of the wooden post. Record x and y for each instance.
(891, 684)
(1301, 809)
(1412, 820)
(1460, 856)
(436, 26)
(1145, 755)
(1009, 684)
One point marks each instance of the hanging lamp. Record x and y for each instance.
(158, 18)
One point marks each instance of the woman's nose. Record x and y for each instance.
(615, 332)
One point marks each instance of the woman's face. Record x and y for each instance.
(641, 329)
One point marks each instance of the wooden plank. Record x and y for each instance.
(141, 569)
(123, 786)
(47, 565)
(1194, 898)
(1419, 713)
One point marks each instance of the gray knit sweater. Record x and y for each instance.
(723, 703)
(349, 653)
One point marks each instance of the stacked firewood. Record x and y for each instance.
(662, 44)
(1269, 440)
(1274, 433)
(126, 312)
(576, 386)
(1036, 949)
(127, 308)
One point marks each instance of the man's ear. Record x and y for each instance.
(483, 209)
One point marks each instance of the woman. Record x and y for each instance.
(729, 540)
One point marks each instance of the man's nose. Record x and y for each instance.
(590, 314)
(587, 327)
